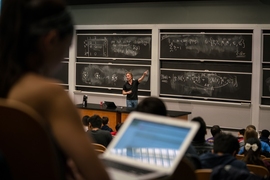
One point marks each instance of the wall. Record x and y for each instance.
(178, 14)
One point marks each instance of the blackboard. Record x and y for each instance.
(206, 46)
(104, 76)
(266, 46)
(114, 46)
(266, 82)
(207, 85)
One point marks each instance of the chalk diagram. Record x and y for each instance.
(112, 76)
(199, 83)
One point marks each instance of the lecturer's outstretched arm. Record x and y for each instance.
(142, 77)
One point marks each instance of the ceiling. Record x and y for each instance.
(85, 2)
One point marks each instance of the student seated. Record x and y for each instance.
(225, 148)
(198, 142)
(240, 137)
(99, 136)
(34, 38)
(251, 133)
(252, 153)
(214, 131)
(105, 121)
(265, 136)
(117, 127)
(85, 122)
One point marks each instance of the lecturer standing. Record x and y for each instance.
(130, 89)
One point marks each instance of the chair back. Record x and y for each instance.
(266, 159)
(203, 174)
(239, 156)
(99, 146)
(184, 171)
(26, 145)
(258, 170)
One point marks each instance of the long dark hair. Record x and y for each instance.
(252, 156)
(22, 23)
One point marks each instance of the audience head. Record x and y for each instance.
(226, 144)
(250, 133)
(34, 37)
(95, 121)
(85, 120)
(265, 133)
(252, 146)
(152, 105)
(241, 132)
(200, 136)
(251, 126)
(252, 152)
(215, 130)
(118, 126)
(105, 120)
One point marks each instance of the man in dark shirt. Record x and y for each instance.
(130, 89)
(225, 148)
(198, 141)
(99, 136)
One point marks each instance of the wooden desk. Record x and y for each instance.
(120, 114)
(177, 114)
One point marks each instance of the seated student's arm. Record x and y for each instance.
(68, 131)
(265, 147)
(241, 150)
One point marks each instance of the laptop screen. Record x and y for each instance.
(151, 142)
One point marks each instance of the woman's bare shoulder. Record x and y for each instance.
(36, 91)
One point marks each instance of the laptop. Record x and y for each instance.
(109, 105)
(148, 147)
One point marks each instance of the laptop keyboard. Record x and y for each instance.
(124, 167)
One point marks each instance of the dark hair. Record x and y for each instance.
(105, 120)
(118, 126)
(265, 133)
(85, 120)
(22, 24)
(253, 157)
(242, 131)
(215, 130)
(226, 143)
(95, 121)
(152, 105)
(200, 136)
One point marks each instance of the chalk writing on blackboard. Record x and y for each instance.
(109, 75)
(205, 84)
(206, 46)
(132, 46)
